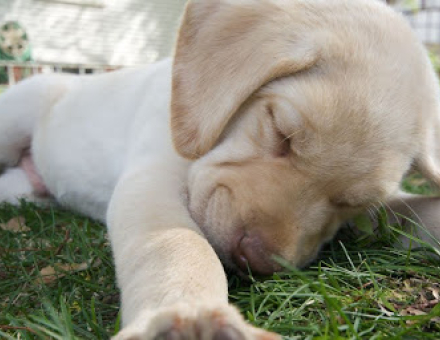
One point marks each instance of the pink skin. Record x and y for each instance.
(250, 252)
(27, 164)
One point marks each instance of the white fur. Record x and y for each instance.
(14, 185)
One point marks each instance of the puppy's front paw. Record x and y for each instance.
(189, 322)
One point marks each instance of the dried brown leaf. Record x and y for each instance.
(15, 225)
(414, 311)
(50, 274)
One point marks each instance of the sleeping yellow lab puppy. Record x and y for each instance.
(276, 121)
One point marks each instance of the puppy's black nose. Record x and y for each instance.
(250, 252)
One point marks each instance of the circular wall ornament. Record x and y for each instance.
(14, 42)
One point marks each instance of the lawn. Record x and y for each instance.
(57, 282)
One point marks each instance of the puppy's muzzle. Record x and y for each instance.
(251, 253)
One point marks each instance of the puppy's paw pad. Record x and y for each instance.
(183, 322)
(227, 333)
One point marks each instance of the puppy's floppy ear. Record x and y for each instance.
(226, 50)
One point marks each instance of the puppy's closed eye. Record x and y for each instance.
(282, 142)
(283, 147)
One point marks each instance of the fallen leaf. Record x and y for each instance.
(414, 311)
(52, 273)
(15, 225)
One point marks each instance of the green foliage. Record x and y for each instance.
(57, 278)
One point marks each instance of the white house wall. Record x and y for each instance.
(120, 32)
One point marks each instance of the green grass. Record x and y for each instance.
(361, 288)
(82, 290)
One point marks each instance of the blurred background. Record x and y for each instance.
(89, 36)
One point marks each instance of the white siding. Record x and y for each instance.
(121, 32)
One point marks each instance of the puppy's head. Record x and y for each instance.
(298, 115)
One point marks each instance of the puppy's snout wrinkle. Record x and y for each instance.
(250, 252)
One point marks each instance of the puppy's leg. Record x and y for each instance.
(22, 182)
(423, 210)
(172, 283)
(20, 108)
(15, 185)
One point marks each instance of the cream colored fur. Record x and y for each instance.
(291, 117)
